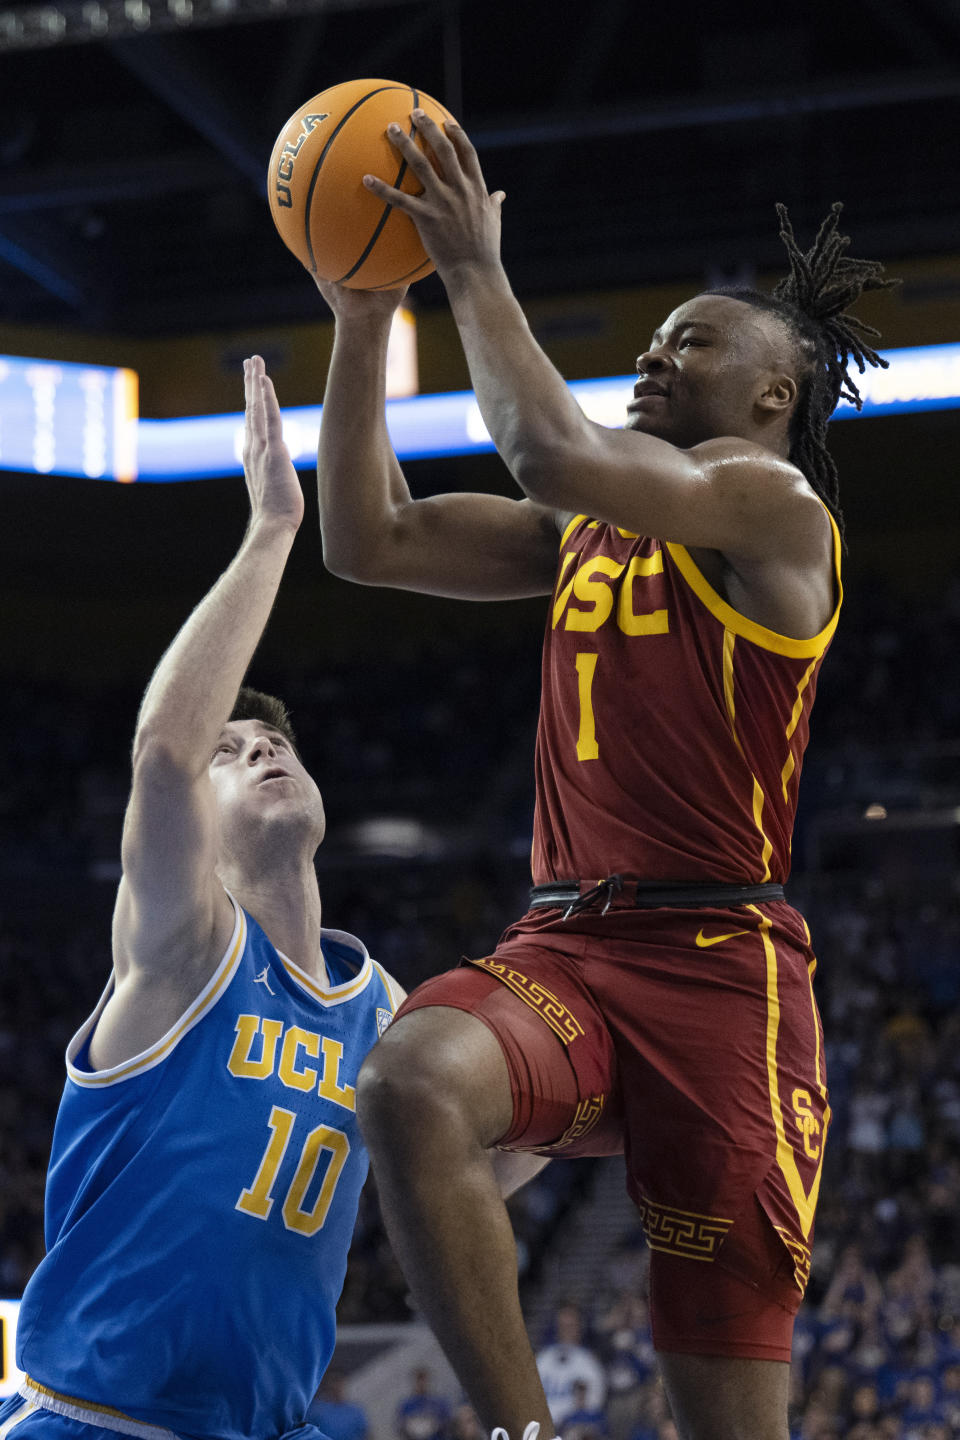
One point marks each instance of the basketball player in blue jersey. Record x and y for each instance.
(206, 1162)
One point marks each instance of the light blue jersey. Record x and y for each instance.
(201, 1198)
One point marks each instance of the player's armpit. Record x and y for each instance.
(469, 547)
(514, 1169)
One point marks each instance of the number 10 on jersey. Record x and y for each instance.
(323, 1139)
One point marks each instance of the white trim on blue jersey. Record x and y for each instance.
(334, 994)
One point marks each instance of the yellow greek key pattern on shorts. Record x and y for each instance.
(548, 1006)
(588, 1113)
(682, 1232)
(801, 1257)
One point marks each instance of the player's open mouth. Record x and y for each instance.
(274, 775)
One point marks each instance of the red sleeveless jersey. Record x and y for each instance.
(672, 728)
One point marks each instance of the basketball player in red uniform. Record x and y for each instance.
(657, 997)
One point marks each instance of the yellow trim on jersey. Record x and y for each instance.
(208, 997)
(804, 1203)
(811, 971)
(81, 1404)
(790, 763)
(750, 629)
(336, 994)
(572, 526)
(759, 799)
(87, 1412)
(562, 596)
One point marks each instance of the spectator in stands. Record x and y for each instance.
(583, 1421)
(629, 1365)
(333, 1413)
(922, 1407)
(566, 1362)
(914, 1279)
(868, 1109)
(854, 1291)
(864, 1405)
(423, 1415)
(656, 1413)
(937, 1430)
(950, 1396)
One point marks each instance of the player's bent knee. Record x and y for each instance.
(396, 1080)
(442, 1066)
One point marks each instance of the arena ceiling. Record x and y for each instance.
(636, 144)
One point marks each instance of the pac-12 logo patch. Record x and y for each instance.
(383, 1020)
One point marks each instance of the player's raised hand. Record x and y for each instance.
(458, 219)
(272, 481)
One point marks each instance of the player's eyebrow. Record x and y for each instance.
(685, 325)
(227, 734)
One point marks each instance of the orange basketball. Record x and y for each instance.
(335, 226)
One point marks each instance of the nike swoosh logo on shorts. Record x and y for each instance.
(704, 940)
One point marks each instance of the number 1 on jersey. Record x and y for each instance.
(587, 739)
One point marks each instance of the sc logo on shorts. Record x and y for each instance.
(807, 1123)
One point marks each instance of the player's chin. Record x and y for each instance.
(647, 424)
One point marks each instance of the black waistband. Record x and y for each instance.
(574, 896)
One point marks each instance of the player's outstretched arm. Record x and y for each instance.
(173, 919)
(467, 546)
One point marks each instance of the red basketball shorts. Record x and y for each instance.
(691, 1041)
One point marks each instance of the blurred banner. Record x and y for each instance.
(63, 419)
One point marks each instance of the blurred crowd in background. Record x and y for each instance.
(425, 762)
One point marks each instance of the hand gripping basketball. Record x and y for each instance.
(457, 218)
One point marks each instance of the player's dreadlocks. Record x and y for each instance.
(813, 300)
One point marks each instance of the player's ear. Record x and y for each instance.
(779, 393)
